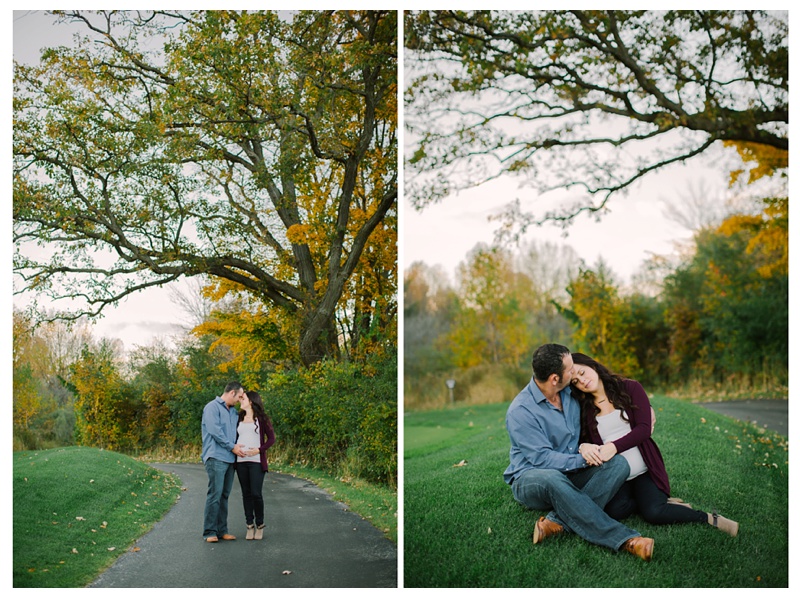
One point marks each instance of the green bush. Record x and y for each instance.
(341, 417)
(197, 379)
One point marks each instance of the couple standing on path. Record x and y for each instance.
(235, 441)
(581, 448)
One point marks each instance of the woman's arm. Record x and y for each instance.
(269, 433)
(640, 418)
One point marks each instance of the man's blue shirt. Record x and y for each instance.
(219, 431)
(542, 437)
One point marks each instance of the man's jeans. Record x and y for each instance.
(220, 483)
(577, 499)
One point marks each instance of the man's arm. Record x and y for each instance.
(531, 441)
(213, 424)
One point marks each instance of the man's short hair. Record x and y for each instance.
(232, 386)
(548, 360)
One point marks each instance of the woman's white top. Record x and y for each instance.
(612, 427)
(248, 436)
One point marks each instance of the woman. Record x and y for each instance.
(616, 417)
(255, 436)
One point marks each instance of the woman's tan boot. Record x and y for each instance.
(251, 531)
(260, 532)
(723, 524)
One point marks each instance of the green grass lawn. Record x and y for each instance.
(462, 527)
(77, 509)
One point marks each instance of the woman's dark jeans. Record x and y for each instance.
(251, 479)
(641, 495)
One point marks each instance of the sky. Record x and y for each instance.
(633, 230)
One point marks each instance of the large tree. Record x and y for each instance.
(591, 99)
(256, 148)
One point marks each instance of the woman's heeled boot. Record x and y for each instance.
(723, 524)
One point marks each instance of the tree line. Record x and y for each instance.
(70, 388)
(713, 319)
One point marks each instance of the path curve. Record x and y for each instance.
(772, 414)
(309, 541)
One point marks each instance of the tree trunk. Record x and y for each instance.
(318, 337)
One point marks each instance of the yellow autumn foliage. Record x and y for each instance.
(298, 234)
(769, 236)
(766, 160)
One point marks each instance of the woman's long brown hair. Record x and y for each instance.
(614, 385)
(258, 408)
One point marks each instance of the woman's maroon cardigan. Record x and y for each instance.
(639, 435)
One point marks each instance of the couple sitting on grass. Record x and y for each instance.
(581, 448)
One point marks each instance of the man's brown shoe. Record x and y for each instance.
(641, 547)
(545, 528)
(228, 537)
(212, 539)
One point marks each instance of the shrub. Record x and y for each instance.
(341, 417)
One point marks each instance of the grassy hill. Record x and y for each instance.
(77, 509)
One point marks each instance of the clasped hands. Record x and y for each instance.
(239, 451)
(596, 454)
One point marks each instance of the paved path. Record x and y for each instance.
(772, 414)
(308, 534)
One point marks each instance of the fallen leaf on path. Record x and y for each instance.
(287, 573)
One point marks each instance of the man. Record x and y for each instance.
(220, 450)
(549, 471)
